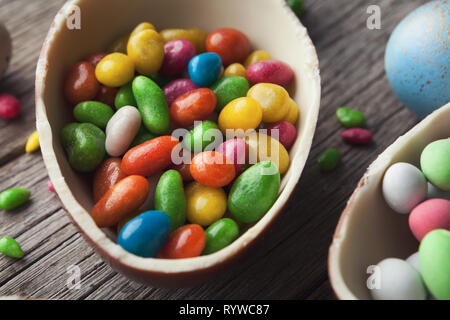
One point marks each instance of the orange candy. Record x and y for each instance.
(150, 157)
(196, 105)
(108, 173)
(81, 83)
(212, 169)
(120, 201)
(185, 242)
(230, 44)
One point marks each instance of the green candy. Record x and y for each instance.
(296, 6)
(85, 146)
(201, 136)
(142, 136)
(254, 192)
(435, 163)
(229, 88)
(434, 260)
(220, 234)
(12, 198)
(10, 248)
(93, 112)
(152, 105)
(329, 160)
(125, 97)
(350, 118)
(170, 199)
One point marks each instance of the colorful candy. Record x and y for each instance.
(93, 112)
(141, 27)
(125, 97)
(436, 193)
(285, 131)
(329, 160)
(228, 89)
(235, 150)
(254, 192)
(235, 70)
(241, 114)
(435, 163)
(81, 83)
(146, 50)
(350, 118)
(106, 95)
(185, 242)
(108, 174)
(142, 136)
(428, 216)
(95, 58)
(265, 148)
(270, 71)
(357, 136)
(121, 130)
(32, 142)
(273, 99)
(114, 70)
(195, 35)
(205, 68)
(13, 198)
(11, 248)
(177, 54)
(212, 169)
(204, 205)
(50, 186)
(296, 6)
(122, 199)
(220, 235)
(230, 44)
(293, 112)
(202, 136)
(170, 199)
(9, 106)
(177, 88)
(196, 105)
(256, 56)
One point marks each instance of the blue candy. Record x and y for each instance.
(205, 68)
(146, 234)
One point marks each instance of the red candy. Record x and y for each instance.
(50, 186)
(185, 242)
(196, 105)
(428, 216)
(270, 71)
(107, 174)
(230, 44)
(357, 136)
(212, 169)
(177, 88)
(81, 83)
(150, 157)
(107, 95)
(95, 58)
(177, 54)
(286, 133)
(9, 106)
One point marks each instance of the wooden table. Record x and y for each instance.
(291, 261)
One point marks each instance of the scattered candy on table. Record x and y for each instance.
(9, 106)
(50, 186)
(329, 160)
(13, 198)
(11, 248)
(32, 142)
(357, 136)
(350, 118)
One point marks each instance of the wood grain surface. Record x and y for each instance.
(291, 261)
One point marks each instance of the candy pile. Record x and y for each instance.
(406, 190)
(160, 111)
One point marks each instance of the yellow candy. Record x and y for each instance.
(293, 113)
(146, 50)
(264, 148)
(115, 70)
(32, 143)
(195, 35)
(119, 45)
(141, 27)
(273, 99)
(236, 69)
(242, 113)
(256, 56)
(204, 205)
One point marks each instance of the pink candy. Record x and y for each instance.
(286, 133)
(357, 136)
(177, 88)
(236, 150)
(428, 216)
(270, 71)
(50, 186)
(177, 54)
(9, 106)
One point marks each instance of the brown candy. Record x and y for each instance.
(81, 84)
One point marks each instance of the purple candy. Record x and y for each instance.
(286, 133)
(235, 150)
(177, 88)
(177, 54)
(270, 71)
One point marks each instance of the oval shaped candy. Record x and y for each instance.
(146, 234)
(205, 68)
(428, 216)
(13, 198)
(81, 84)
(240, 114)
(108, 173)
(256, 56)
(202, 136)
(235, 70)
(125, 97)
(185, 242)
(204, 205)
(293, 112)
(177, 54)
(254, 192)
(121, 130)
(106, 95)
(122, 199)
(270, 71)
(350, 118)
(230, 44)
(435, 163)
(220, 235)
(229, 88)
(212, 169)
(265, 148)
(170, 199)
(93, 112)
(177, 88)
(273, 99)
(141, 27)
(142, 136)
(115, 70)
(235, 150)
(146, 50)
(196, 105)
(284, 131)
(195, 35)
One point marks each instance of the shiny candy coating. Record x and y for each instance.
(141, 27)
(220, 235)
(435, 163)
(230, 44)
(11, 248)
(177, 88)
(196, 105)
(428, 216)
(9, 106)
(329, 160)
(114, 70)
(212, 169)
(202, 136)
(170, 199)
(125, 97)
(177, 54)
(204, 205)
(265, 148)
(122, 199)
(205, 68)
(146, 234)
(293, 113)
(150, 157)
(108, 173)
(273, 99)
(95, 58)
(285, 131)
(93, 112)
(235, 70)
(242, 113)
(270, 71)
(119, 45)
(195, 35)
(81, 83)
(235, 150)
(32, 142)
(350, 118)
(357, 136)
(13, 198)
(106, 95)
(256, 56)
(254, 192)
(142, 136)
(228, 89)
(146, 50)
(186, 242)
(185, 170)
(121, 130)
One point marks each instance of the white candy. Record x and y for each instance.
(121, 130)
(436, 193)
(414, 261)
(398, 280)
(404, 187)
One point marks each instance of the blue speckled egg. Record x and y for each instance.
(418, 58)
(205, 68)
(146, 234)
